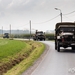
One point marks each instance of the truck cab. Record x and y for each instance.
(6, 35)
(39, 35)
(64, 35)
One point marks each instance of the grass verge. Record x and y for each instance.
(26, 63)
(12, 52)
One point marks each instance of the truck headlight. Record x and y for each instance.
(58, 37)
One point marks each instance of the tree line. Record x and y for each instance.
(28, 36)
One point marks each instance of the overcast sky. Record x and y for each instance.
(42, 14)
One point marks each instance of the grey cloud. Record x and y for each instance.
(18, 5)
(21, 5)
(4, 3)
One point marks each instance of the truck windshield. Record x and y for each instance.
(67, 29)
(39, 33)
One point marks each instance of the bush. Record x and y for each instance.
(50, 36)
(27, 36)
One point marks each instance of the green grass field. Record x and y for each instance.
(10, 48)
(18, 54)
(12, 52)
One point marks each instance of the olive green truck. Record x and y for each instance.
(64, 35)
(39, 35)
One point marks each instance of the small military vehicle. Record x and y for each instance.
(6, 35)
(39, 35)
(64, 35)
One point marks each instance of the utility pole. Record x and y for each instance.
(30, 29)
(60, 13)
(10, 30)
(61, 16)
(2, 31)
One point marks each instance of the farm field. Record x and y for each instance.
(9, 48)
(13, 52)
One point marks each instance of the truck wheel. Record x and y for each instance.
(40, 39)
(34, 39)
(73, 47)
(55, 47)
(58, 47)
(44, 39)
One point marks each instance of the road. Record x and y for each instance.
(56, 63)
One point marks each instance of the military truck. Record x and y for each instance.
(39, 35)
(64, 35)
(6, 35)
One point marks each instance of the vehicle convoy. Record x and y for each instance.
(39, 35)
(64, 35)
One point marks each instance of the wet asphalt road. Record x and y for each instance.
(56, 63)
